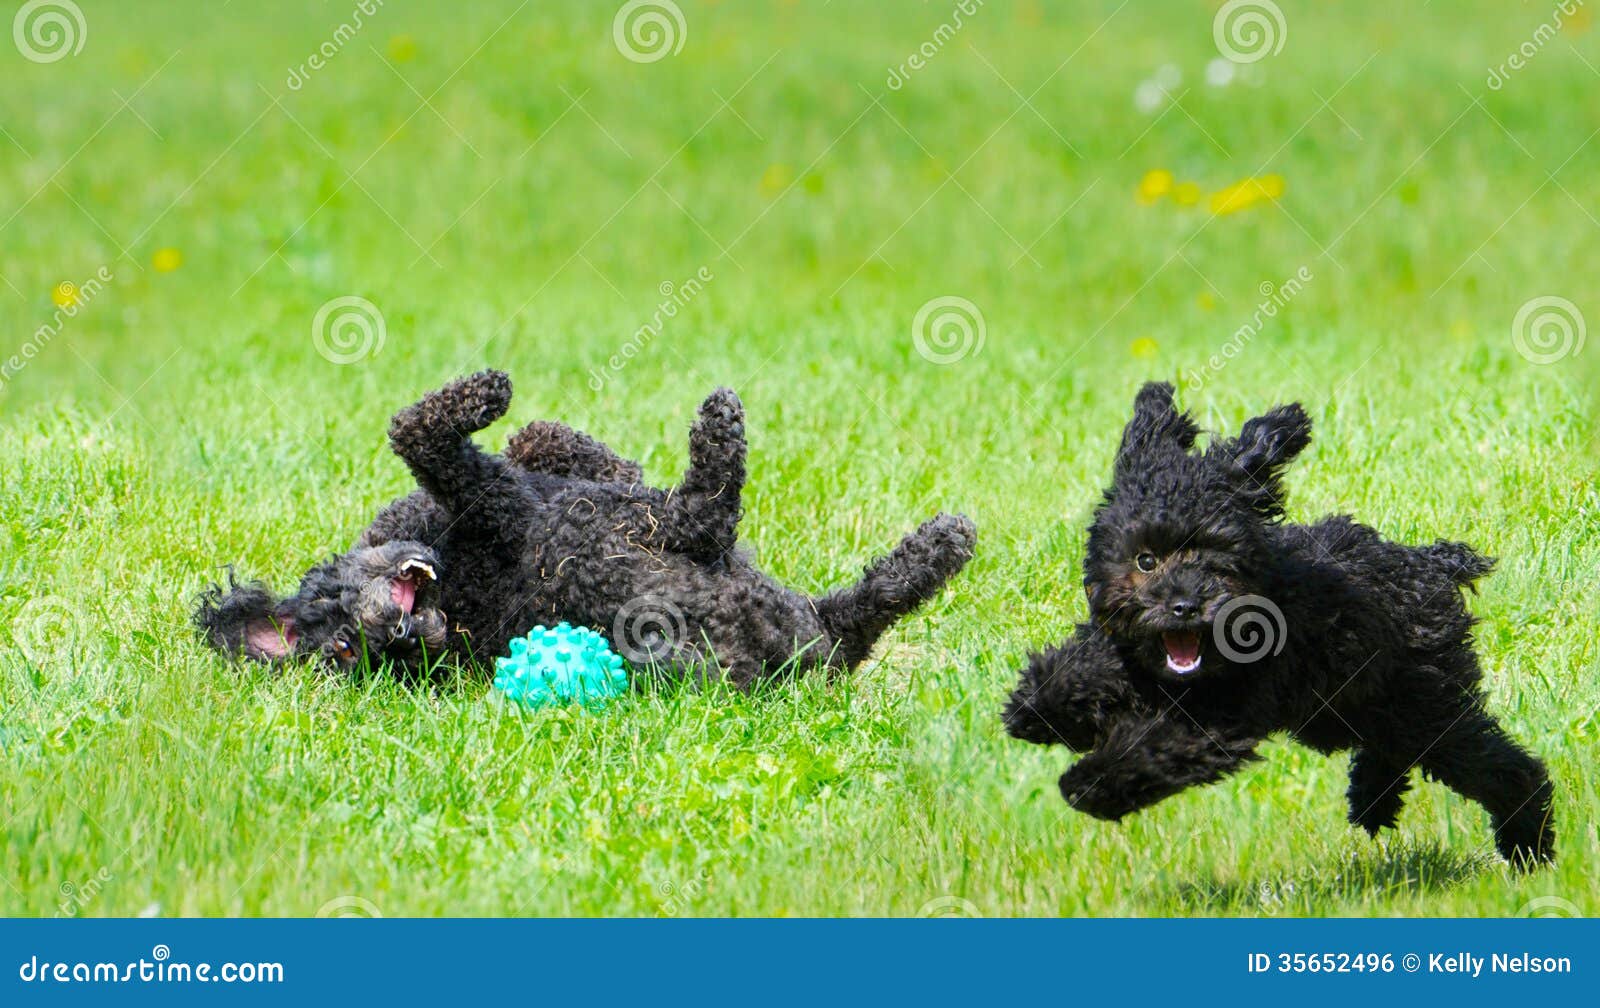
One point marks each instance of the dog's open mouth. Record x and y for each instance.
(1183, 651)
(403, 589)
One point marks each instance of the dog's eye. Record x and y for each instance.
(1146, 561)
(343, 649)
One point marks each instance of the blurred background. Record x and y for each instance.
(521, 181)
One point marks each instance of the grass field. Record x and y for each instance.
(505, 187)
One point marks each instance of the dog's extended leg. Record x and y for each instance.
(434, 438)
(1144, 759)
(1476, 758)
(895, 584)
(701, 515)
(1377, 790)
(543, 446)
(549, 447)
(1067, 695)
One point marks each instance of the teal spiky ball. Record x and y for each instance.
(555, 666)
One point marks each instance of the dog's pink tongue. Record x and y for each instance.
(404, 592)
(1183, 647)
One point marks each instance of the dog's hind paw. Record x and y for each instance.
(1527, 840)
(722, 414)
(1375, 812)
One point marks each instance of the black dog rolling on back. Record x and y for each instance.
(561, 528)
(1213, 625)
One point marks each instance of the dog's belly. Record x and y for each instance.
(1325, 733)
(677, 612)
(489, 599)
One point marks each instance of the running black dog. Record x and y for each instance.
(1213, 625)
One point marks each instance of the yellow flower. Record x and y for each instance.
(1156, 183)
(775, 179)
(402, 48)
(1232, 199)
(166, 260)
(1246, 193)
(1144, 348)
(1186, 193)
(64, 293)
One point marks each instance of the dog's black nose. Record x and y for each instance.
(1184, 608)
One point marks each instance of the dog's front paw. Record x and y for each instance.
(1088, 793)
(464, 406)
(476, 401)
(1022, 715)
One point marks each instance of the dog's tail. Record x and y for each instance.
(895, 584)
(1460, 562)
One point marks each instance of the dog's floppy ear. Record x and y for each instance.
(1264, 446)
(1156, 426)
(244, 620)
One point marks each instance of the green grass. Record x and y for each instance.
(526, 219)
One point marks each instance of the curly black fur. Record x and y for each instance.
(560, 528)
(1213, 625)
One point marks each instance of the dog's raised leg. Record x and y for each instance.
(543, 446)
(1144, 759)
(1377, 790)
(434, 439)
(1477, 759)
(549, 447)
(701, 514)
(1068, 695)
(895, 584)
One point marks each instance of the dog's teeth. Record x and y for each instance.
(1182, 668)
(418, 565)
